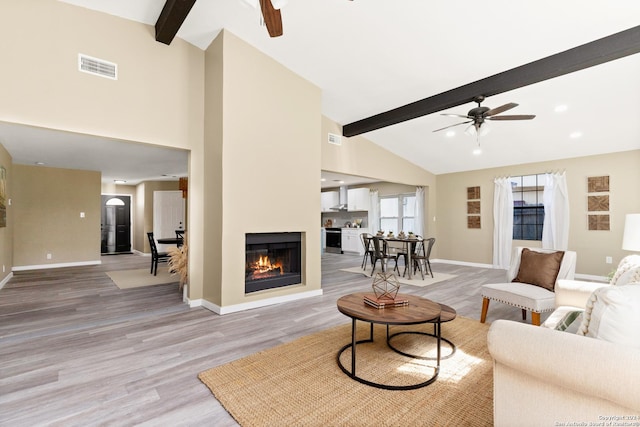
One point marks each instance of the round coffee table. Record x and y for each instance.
(419, 310)
(447, 314)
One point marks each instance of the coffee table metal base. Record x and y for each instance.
(354, 343)
(435, 334)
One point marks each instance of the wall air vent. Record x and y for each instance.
(98, 67)
(335, 139)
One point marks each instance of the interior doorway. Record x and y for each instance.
(168, 215)
(115, 228)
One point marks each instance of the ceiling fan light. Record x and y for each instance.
(470, 130)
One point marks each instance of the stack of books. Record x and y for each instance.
(376, 302)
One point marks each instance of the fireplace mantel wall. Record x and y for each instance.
(262, 151)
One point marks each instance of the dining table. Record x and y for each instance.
(408, 248)
(171, 241)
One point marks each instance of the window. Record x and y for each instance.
(528, 208)
(397, 213)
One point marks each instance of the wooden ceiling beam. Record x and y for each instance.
(603, 50)
(171, 18)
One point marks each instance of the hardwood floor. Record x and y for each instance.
(77, 350)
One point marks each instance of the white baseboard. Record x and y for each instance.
(6, 280)
(254, 304)
(592, 277)
(60, 265)
(468, 264)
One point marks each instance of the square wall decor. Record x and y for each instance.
(598, 203)
(473, 208)
(599, 222)
(597, 184)
(473, 193)
(473, 221)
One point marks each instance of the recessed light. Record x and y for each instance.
(451, 133)
(477, 151)
(575, 135)
(40, 163)
(560, 108)
(119, 181)
(323, 179)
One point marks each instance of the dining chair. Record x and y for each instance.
(156, 256)
(180, 237)
(365, 238)
(421, 256)
(411, 245)
(380, 252)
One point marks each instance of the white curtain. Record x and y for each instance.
(555, 230)
(502, 222)
(418, 218)
(374, 212)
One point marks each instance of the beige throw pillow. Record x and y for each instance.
(538, 268)
(612, 315)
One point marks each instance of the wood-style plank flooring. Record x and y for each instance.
(75, 350)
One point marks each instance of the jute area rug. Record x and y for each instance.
(125, 279)
(416, 279)
(300, 383)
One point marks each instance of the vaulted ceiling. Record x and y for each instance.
(372, 56)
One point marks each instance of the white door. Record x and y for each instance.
(168, 215)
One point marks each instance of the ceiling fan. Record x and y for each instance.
(272, 17)
(478, 115)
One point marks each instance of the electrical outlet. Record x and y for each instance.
(608, 260)
(3, 268)
(48, 256)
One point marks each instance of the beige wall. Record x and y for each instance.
(47, 203)
(156, 99)
(268, 153)
(476, 245)
(6, 233)
(359, 156)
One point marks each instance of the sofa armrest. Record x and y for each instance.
(575, 293)
(583, 365)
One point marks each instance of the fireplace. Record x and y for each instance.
(272, 260)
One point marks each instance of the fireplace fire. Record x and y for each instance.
(272, 260)
(264, 268)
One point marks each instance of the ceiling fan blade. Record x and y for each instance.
(272, 18)
(456, 115)
(450, 126)
(514, 117)
(500, 109)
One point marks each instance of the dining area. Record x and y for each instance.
(413, 250)
(163, 256)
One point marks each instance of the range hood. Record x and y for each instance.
(342, 206)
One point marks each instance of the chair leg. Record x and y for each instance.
(485, 307)
(375, 260)
(430, 270)
(535, 318)
(524, 314)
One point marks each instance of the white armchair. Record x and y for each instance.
(530, 295)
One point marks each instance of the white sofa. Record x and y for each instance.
(544, 376)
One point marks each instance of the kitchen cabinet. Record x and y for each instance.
(358, 199)
(329, 199)
(351, 240)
